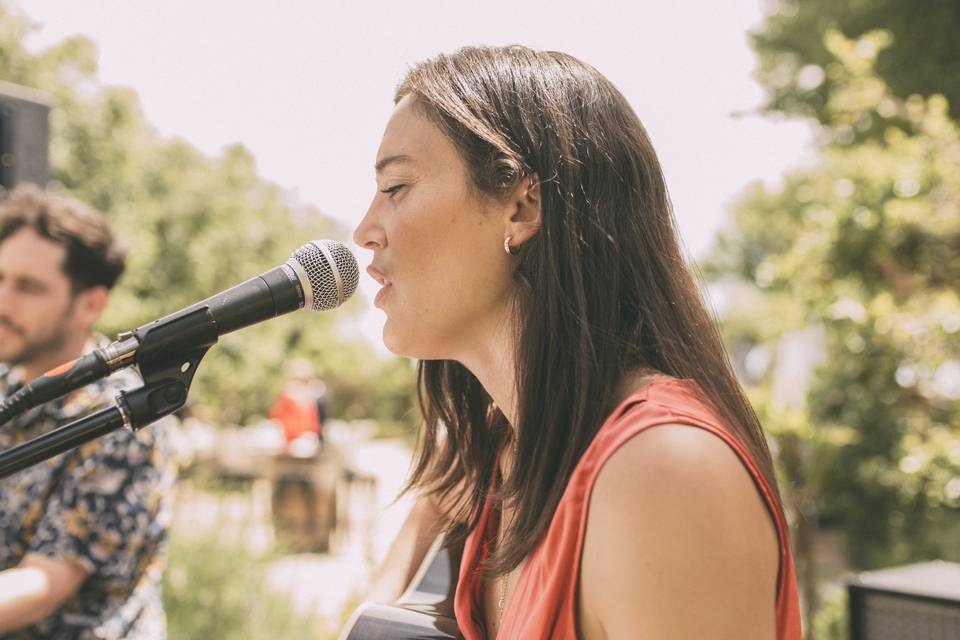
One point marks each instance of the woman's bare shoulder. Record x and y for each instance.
(676, 522)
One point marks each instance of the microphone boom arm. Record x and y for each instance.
(167, 377)
(149, 347)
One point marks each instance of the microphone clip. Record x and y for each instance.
(167, 358)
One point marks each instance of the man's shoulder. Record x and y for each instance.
(128, 447)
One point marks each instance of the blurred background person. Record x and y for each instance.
(82, 534)
(301, 406)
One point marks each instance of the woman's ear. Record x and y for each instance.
(525, 214)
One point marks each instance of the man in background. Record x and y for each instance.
(82, 535)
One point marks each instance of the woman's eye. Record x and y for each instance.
(391, 191)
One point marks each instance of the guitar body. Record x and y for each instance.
(423, 612)
(394, 622)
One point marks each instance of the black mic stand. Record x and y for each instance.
(167, 374)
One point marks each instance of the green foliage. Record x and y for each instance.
(866, 245)
(195, 225)
(213, 591)
(800, 71)
(805, 453)
(831, 621)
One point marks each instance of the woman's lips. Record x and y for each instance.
(377, 275)
(378, 300)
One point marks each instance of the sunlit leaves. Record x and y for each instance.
(865, 244)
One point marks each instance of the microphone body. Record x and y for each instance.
(272, 293)
(321, 274)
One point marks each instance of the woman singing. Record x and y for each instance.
(584, 436)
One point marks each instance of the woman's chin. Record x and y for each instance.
(394, 342)
(404, 344)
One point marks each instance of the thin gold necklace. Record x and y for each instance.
(503, 599)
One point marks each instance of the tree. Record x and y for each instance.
(194, 226)
(801, 73)
(865, 245)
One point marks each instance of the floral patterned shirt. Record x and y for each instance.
(104, 506)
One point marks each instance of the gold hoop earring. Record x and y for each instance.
(507, 247)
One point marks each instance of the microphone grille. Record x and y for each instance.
(331, 271)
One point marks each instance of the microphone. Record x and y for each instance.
(320, 275)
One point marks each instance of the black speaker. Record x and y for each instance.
(913, 602)
(24, 136)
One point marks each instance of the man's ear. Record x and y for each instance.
(89, 304)
(525, 213)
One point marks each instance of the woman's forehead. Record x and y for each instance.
(412, 139)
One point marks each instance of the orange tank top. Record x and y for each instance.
(543, 603)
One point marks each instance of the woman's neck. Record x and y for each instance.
(493, 362)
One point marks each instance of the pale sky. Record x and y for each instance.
(307, 86)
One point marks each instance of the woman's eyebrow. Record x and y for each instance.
(382, 163)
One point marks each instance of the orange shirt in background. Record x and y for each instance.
(298, 413)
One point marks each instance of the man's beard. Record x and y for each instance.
(38, 348)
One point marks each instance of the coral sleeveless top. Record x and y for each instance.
(543, 603)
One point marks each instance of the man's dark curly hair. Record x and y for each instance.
(94, 256)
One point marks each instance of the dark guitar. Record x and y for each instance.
(423, 612)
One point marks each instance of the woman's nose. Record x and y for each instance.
(369, 233)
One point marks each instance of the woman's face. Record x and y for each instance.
(437, 247)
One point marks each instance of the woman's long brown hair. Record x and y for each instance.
(602, 289)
